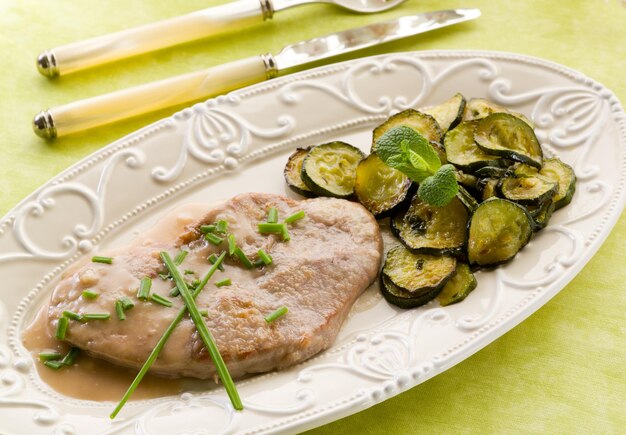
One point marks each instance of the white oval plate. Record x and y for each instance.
(238, 143)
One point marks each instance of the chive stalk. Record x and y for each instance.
(144, 289)
(126, 302)
(204, 332)
(285, 234)
(119, 309)
(161, 343)
(222, 226)
(70, 357)
(204, 313)
(160, 300)
(180, 257)
(104, 260)
(62, 328)
(272, 215)
(49, 356)
(205, 229)
(270, 228)
(90, 294)
(213, 258)
(232, 244)
(295, 217)
(174, 292)
(189, 271)
(243, 258)
(73, 316)
(276, 314)
(213, 239)
(223, 283)
(97, 316)
(265, 257)
(56, 365)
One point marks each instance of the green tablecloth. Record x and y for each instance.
(561, 371)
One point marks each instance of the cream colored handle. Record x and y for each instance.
(73, 57)
(126, 103)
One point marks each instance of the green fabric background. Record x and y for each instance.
(561, 371)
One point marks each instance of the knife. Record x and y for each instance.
(104, 109)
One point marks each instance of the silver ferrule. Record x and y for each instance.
(271, 69)
(43, 125)
(47, 64)
(267, 9)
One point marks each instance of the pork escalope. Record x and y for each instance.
(333, 255)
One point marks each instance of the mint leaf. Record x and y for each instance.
(441, 188)
(408, 151)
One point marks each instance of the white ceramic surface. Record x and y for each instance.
(239, 143)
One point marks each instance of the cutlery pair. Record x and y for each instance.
(104, 109)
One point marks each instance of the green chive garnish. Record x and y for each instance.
(72, 315)
(164, 276)
(271, 228)
(160, 300)
(208, 229)
(213, 258)
(213, 239)
(232, 244)
(223, 282)
(258, 263)
(243, 258)
(204, 313)
(272, 215)
(188, 271)
(69, 359)
(276, 314)
(97, 316)
(180, 257)
(105, 260)
(144, 289)
(174, 292)
(222, 226)
(126, 302)
(120, 310)
(49, 356)
(62, 328)
(204, 333)
(89, 294)
(295, 217)
(265, 257)
(56, 365)
(285, 233)
(166, 335)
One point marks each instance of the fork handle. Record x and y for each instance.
(80, 55)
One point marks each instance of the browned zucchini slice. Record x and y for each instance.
(498, 229)
(459, 286)
(448, 114)
(541, 214)
(478, 108)
(330, 169)
(558, 172)
(427, 229)
(380, 188)
(415, 278)
(505, 135)
(420, 122)
(293, 173)
(527, 190)
(462, 151)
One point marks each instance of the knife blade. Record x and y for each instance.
(116, 106)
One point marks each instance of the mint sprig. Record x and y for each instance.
(409, 152)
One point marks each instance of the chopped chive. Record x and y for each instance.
(265, 257)
(271, 228)
(62, 328)
(89, 294)
(232, 244)
(56, 365)
(223, 282)
(295, 217)
(144, 289)
(69, 359)
(97, 316)
(49, 356)
(105, 260)
(174, 292)
(189, 271)
(222, 226)
(164, 276)
(126, 302)
(180, 257)
(205, 229)
(204, 333)
(160, 300)
(120, 310)
(243, 258)
(72, 315)
(276, 314)
(195, 283)
(213, 239)
(161, 343)
(258, 263)
(272, 215)
(204, 313)
(213, 258)
(285, 234)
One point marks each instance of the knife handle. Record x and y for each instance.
(80, 55)
(104, 109)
